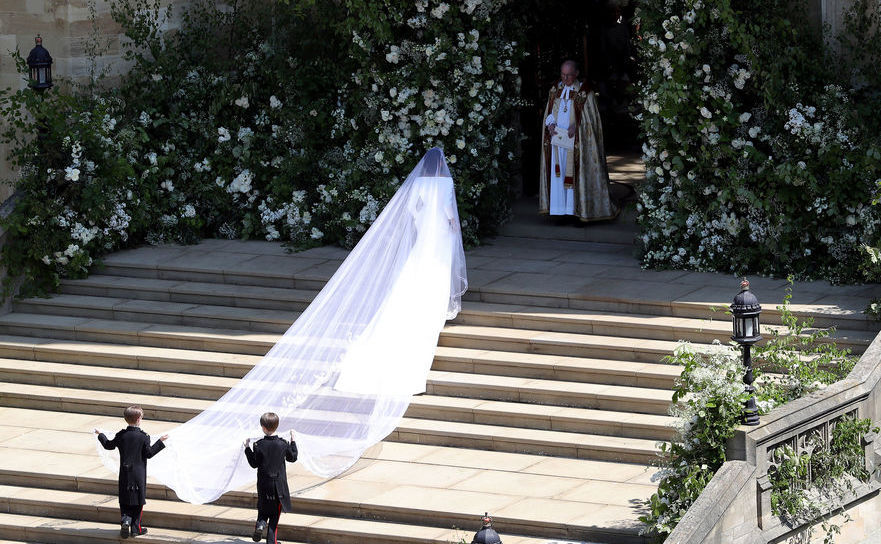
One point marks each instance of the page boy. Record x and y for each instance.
(134, 450)
(268, 457)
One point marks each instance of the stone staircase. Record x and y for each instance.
(543, 410)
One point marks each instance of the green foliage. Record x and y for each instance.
(802, 358)
(707, 397)
(708, 402)
(288, 121)
(743, 101)
(75, 196)
(810, 485)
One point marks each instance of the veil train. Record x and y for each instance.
(342, 375)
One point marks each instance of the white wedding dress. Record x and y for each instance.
(343, 374)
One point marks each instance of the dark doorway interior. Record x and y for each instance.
(598, 35)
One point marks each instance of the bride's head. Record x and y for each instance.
(433, 164)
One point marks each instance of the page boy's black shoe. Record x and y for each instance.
(259, 531)
(125, 527)
(143, 531)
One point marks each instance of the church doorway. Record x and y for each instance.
(598, 35)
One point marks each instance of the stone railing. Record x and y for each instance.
(735, 507)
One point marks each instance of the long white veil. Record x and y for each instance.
(342, 375)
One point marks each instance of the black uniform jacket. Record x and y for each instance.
(134, 450)
(268, 457)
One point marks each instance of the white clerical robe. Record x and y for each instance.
(562, 197)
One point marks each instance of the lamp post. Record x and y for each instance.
(486, 534)
(40, 63)
(746, 310)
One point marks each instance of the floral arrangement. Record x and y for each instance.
(708, 398)
(283, 121)
(761, 155)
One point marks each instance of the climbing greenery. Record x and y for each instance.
(761, 138)
(290, 121)
(810, 487)
(708, 402)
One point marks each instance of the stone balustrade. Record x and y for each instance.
(735, 508)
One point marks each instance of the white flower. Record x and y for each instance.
(705, 112)
(313, 113)
(144, 119)
(72, 250)
(156, 77)
(242, 102)
(745, 116)
(439, 11)
(241, 183)
(801, 165)
(754, 131)
(669, 35)
(71, 173)
(167, 185)
(151, 156)
(394, 54)
(189, 211)
(274, 102)
(451, 159)
(378, 156)
(244, 134)
(460, 143)
(223, 135)
(316, 234)
(46, 260)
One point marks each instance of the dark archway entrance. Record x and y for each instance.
(598, 35)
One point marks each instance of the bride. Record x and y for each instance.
(342, 375)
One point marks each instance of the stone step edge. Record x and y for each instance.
(440, 384)
(491, 437)
(629, 324)
(498, 295)
(526, 414)
(258, 343)
(236, 365)
(307, 527)
(36, 529)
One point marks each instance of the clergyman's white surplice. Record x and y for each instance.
(562, 198)
(343, 374)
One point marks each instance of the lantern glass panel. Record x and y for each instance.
(748, 328)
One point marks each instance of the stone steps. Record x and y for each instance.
(310, 272)
(441, 487)
(488, 436)
(700, 322)
(516, 402)
(176, 522)
(212, 363)
(44, 530)
(479, 324)
(170, 335)
(543, 405)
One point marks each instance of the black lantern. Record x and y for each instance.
(746, 310)
(486, 534)
(40, 63)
